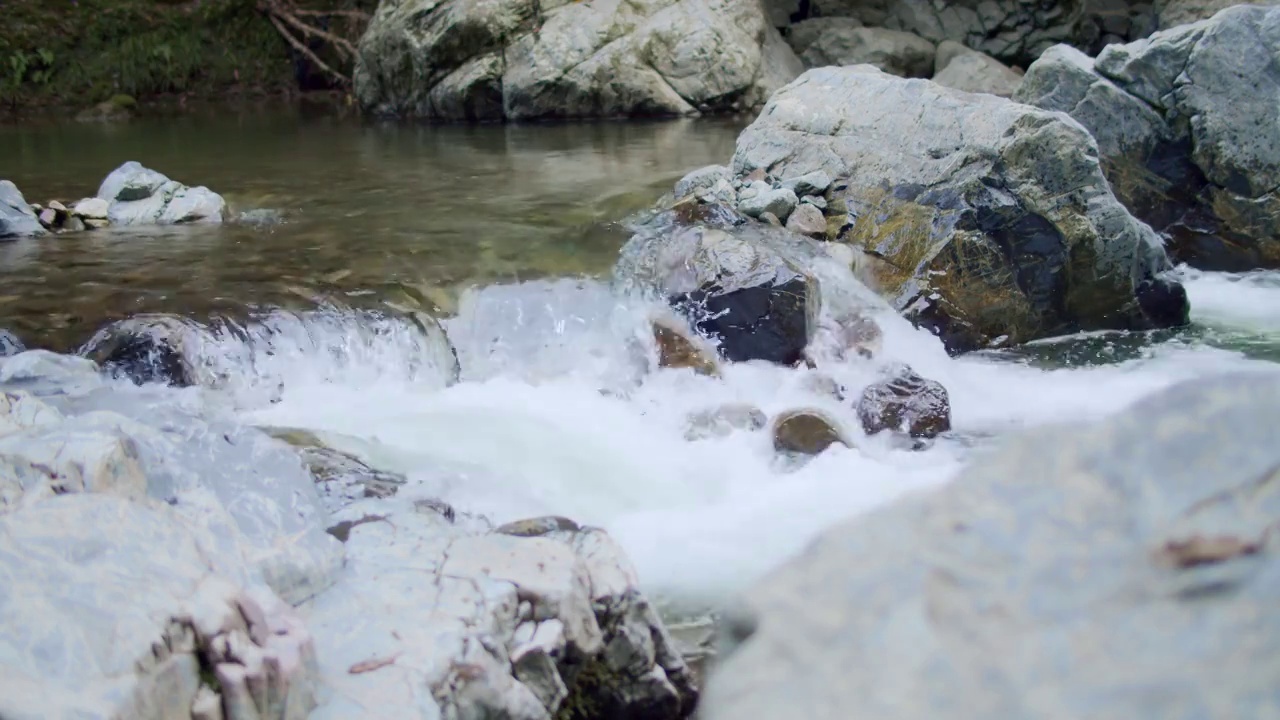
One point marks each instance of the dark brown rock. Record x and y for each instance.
(905, 402)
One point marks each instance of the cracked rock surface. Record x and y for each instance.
(435, 620)
(524, 59)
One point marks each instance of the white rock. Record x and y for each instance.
(94, 208)
(436, 613)
(140, 196)
(110, 608)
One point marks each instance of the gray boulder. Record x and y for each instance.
(895, 52)
(1015, 31)
(971, 71)
(1118, 570)
(983, 220)
(1188, 126)
(141, 196)
(523, 59)
(17, 219)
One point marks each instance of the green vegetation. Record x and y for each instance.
(81, 52)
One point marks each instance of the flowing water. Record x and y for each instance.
(507, 234)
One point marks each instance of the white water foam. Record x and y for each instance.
(556, 416)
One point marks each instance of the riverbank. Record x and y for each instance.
(63, 58)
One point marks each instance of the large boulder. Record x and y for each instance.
(1117, 570)
(17, 218)
(759, 291)
(141, 196)
(1015, 31)
(117, 608)
(989, 222)
(536, 620)
(893, 51)
(522, 59)
(1188, 125)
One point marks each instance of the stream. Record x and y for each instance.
(508, 235)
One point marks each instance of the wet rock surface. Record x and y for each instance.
(905, 402)
(1103, 570)
(1188, 125)
(679, 348)
(806, 432)
(148, 349)
(520, 59)
(987, 222)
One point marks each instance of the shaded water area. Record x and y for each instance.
(508, 234)
(350, 211)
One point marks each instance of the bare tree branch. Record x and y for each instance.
(284, 32)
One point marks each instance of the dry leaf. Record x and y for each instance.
(1201, 550)
(372, 664)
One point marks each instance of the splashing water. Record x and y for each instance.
(558, 411)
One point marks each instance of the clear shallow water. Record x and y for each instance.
(556, 412)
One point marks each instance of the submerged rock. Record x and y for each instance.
(10, 344)
(985, 220)
(341, 477)
(147, 348)
(114, 109)
(1188, 127)
(1111, 570)
(17, 219)
(141, 196)
(519, 59)
(806, 432)
(724, 420)
(905, 402)
(147, 619)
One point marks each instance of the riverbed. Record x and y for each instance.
(508, 234)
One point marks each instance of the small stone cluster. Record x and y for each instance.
(130, 195)
(86, 214)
